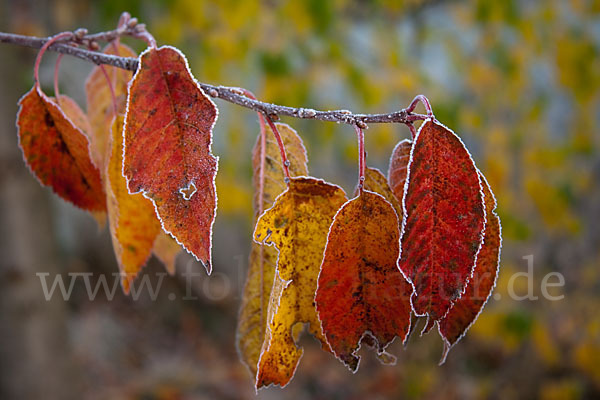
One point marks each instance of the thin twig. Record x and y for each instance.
(229, 94)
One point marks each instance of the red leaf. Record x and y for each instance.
(397, 169)
(466, 309)
(57, 151)
(360, 290)
(443, 219)
(168, 137)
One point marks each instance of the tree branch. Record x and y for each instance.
(230, 94)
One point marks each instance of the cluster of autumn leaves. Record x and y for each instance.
(425, 240)
(335, 266)
(140, 143)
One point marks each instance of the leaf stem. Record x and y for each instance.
(421, 98)
(361, 156)
(56, 68)
(284, 161)
(111, 88)
(413, 130)
(36, 68)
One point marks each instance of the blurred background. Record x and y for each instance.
(517, 80)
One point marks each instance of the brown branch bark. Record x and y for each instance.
(230, 94)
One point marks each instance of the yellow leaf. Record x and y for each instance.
(131, 218)
(100, 108)
(268, 184)
(297, 225)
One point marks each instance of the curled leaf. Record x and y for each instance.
(443, 220)
(268, 182)
(465, 310)
(360, 290)
(167, 154)
(297, 225)
(57, 152)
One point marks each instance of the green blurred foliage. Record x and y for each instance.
(517, 80)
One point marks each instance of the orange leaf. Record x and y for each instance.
(465, 310)
(268, 184)
(100, 108)
(168, 136)
(74, 113)
(397, 169)
(166, 250)
(297, 225)
(361, 292)
(57, 151)
(443, 221)
(131, 217)
(376, 182)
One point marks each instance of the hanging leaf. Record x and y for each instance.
(57, 152)
(131, 217)
(297, 225)
(443, 220)
(166, 250)
(268, 182)
(100, 108)
(360, 290)
(167, 156)
(73, 112)
(397, 169)
(465, 310)
(376, 182)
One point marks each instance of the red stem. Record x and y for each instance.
(417, 117)
(413, 130)
(261, 119)
(111, 88)
(361, 156)
(36, 68)
(284, 161)
(56, 68)
(426, 104)
(147, 37)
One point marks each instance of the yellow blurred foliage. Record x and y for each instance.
(234, 196)
(564, 389)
